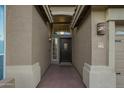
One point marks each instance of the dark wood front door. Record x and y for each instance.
(65, 50)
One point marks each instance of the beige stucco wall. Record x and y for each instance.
(99, 55)
(27, 36)
(19, 28)
(40, 41)
(82, 44)
(103, 14)
(102, 47)
(86, 40)
(27, 46)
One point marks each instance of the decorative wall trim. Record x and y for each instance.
(98, 76)
(26, 76)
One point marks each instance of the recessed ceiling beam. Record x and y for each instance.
(48, 13)
(77, 14)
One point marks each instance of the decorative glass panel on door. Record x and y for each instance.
(1, 41)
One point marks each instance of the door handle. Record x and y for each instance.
(118, 73)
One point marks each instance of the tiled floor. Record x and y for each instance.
(61, 76)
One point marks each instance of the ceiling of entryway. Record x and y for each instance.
(62, 16)
(62, 9)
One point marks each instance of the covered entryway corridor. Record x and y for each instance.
(61, 73)
(61, 46)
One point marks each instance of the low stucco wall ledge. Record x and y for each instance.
(98, 76)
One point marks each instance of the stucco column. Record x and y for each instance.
(111, 47)
(103, 74)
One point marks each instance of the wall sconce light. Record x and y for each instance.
(50, 39)
(101, 28)
(61, 33)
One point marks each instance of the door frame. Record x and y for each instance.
(57, 59)
(4, 43)
(4, 62)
